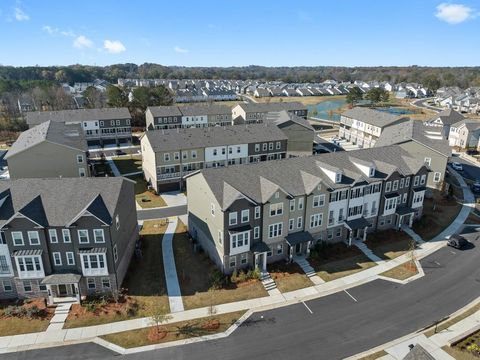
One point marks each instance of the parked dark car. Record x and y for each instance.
(472, 152)
(457, 242)
(120, 152)
(476, 187)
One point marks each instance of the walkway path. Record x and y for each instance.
(409, 231)
(269, 284)
(60, 316)
(114, 168)
(366, 250)
(174, 198)
(173, 287)
(308, 270)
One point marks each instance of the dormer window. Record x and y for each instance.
(338, 178)
(372, 172)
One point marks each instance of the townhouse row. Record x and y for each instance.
(248, 217)
(65, 238)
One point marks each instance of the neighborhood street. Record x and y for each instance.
(158, 213)
(338, 326)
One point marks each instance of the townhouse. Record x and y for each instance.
(277, 210)
(171, 117)
(363, 126)
(101, 127)
(422, 142)
(65, 238)
(259, 112)
(169, 155)
(465, 134)
(49, 150)
(444, 120)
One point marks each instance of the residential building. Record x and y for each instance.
(422, 142)
(259, 112)
(100, 126)
(363, 126)
(169, 155)
(69, 237)
(248, 217)
(465, 134)
(50, 149)
(444, 120)
(197, 115)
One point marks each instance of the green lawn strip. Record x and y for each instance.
(127, 165)
(446, 324)
(338, 260)
(144, 197)
(195, 272)
(175, 331)
(389, 244)
(288, 277)
(144, 285)
(402, 271)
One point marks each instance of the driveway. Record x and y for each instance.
(159, 213)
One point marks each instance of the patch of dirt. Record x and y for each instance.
(211, 325)
(156, 334)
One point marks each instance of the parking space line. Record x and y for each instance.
(346, 292)
(437, 263)
(310, 310)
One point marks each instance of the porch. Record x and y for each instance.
(260, 250)
(62, 288)
(405, 216)
(357, 229)
(299, 244)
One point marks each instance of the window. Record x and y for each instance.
(166, 157)
(239, 239)
(278, 145)
(230, 150)
(315, 220)
(245, 216)
(184, 155)
(276, 209)
(29, 263)
(257, 212)
(257, 147)
(70, 258)
(7, 286)
(81, 172)
(223, 151)
(330, 234)
(277, 195)
(127, 122)
(4, 268)
(264, 147)
(270, 146)
(83, 236)
(339, 232)
(101, 123)
(269, 253)
(17, 238)
(117, 122)
(98, 235)
(291, 224)
(338, 177)
(279, 249)
(300, 204)
(52, 233)
(91, 283)
(27, 286)
(33, 238)
(417, 197)
(292, 205)
(355, 210)
(374, 208)
(416, 180)
(275, 230)
(66, 236)
(423, 179)
(437, 176)
(194, 154)
(57, 259)
(212, 209)
(299, 222)
(407, 182)
(232, 218)
(340, 214)
(402, 183)
(79, 159)
(356, 192)
(318, 201)
(232, 261)
(404, 200)
(428, 161)
(106, 283)
(395, 185)
(331, 217)
(176, 155)
(115, 253)
(388, 186)
(256, 232)
(390, 204)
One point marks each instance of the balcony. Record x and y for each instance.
(175, 175)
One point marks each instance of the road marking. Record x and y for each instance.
(437, 263)
(311, 312)
(346, 292)
(453, 252)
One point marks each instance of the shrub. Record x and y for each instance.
(217, 279)
(234, 277)
(34, 312)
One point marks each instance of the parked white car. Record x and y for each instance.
(457, 166)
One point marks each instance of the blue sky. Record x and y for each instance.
(236, 33)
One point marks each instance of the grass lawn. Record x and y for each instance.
(468, 348)
(438, 213)
(402, 272)
(102, 168)
(12, 325)
(174, 331)
(145, 285)
(375, 356)
(194, 274)
(388, 244)
(306, 100)
(128, 164)
(420, 113)
(288, 277)
(146, 198)
(339, 260)
(459, 354)
(446, 324)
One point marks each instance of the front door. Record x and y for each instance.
(298, 248)
(62, 290)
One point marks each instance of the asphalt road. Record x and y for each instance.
(470, 171)
(338, 326)
(147, 214)
(420, 103)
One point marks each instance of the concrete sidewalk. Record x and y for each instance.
(174, 198)
(112, 165)
(171, 278)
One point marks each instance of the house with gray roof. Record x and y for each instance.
(444, 120)
(65, 238)
(50, 149)
(100, 126)
(423, 142)
(169, 155)
(465, 134)
(248, 216)
(258, 112)
(363, 126)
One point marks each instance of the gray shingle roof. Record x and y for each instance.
(416, 131)
(70, 135)
(449, 117)
(275, 106)
(297, 176)
(190, 110)
(372, 117)
(470, 124)
(283, 117)
(159, 111)
(192, 138)
(38, 117)
(56, 202)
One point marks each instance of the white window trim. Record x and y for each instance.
(256, 232)
(242, 216)
(52, 233)
(115, 253)
(79, 237)
(30, 233)
(232, 218)
(95, 237)
(257, 212)
(21, 238)
(66, 231)
(55, 262)
(72, 258)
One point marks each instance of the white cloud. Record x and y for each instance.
(20, 15)
(180, 50)
(82, 42)
(49, 29)
(68, 33)
(114, 46)
(454, 13)
(56, 31)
